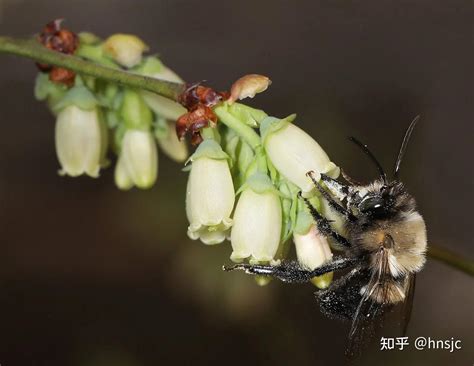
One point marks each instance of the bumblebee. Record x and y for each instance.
(384, 247)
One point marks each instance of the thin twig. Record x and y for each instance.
(30, 48)
(451, 259)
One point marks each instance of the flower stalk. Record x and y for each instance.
(244, 131)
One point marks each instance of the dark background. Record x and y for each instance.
(91, 276)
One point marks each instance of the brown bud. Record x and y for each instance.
(247, 86)
(200, 117)
(63, 76)
(59, 39)
(182, 126)
(56, 38)
(198, 94)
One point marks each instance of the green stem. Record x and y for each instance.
(244, 131)
(32, 49)
(261, 160)
(451, 259)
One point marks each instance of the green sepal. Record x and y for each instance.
(231, 143)
(45, 89)
(104, 134)
(288, 189)
(208, 149)
(118, 100)
(108, 94)
(135, 112)
(304, 221)
(248, 115)
(111, 91)
(274, 174)
(161, 129)
(272, 124)
(245, 156)
(259, 183)
(79, 96)
(251, 169)
(88, 38)
(112, 118)
(289, 193)
(95, 52)
(90, 82)
(119, 133)
(149, 66)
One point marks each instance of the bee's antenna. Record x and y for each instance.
(404, 145)
(371, 156)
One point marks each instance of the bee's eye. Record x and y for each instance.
(373, 205)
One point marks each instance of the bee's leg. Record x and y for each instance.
(340, 190)
(337, 188)
(292, 272)
(324, 226)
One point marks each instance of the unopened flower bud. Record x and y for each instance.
(210, 194)
(79, 141)
(247, 86)
(138, 161)
(170, 144)
(126, 49)
(294, 153)
(257, 222)
(312, 250)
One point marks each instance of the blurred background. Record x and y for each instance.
(91, 276)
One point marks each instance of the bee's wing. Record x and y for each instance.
(367, 318)
(341, 299)
(408, 303)
(368, 315)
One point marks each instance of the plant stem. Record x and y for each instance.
(451, 259)
(32, 49)
(247, 133)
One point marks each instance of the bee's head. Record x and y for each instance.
(385, 200)
(373, 205)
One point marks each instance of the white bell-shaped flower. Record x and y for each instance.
(79, 139)
(257, 222)
(312, 250)
(294, 153)
(210, 194)
(138, 161)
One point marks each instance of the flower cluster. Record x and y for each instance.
(244, 184)
(94, 117)
(245, 176)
